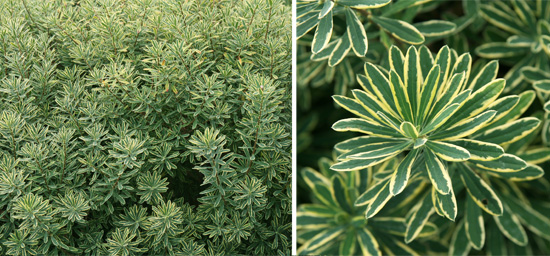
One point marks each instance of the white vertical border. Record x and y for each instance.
(294, 125)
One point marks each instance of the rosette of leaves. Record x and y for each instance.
(332, 69)
(333, 225)
(522, 39)
(521, 222)
(433, 112)
(328, 17)
(474, 227)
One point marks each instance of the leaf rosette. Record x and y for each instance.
(526, 24)
(434, 113)
(333, 225)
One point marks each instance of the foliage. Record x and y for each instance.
(431, 133)
(334, 225)
(145, 127)
(426, 112)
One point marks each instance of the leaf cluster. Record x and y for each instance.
(444, 141)
(145, 127)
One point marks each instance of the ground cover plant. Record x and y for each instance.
(145, 127)
(437, 145)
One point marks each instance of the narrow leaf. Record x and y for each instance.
(482, 194)
(401, 175)
(447, 151)
(356, 33)
(400, 29)
(437, 172)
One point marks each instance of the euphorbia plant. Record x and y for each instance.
(434, 114)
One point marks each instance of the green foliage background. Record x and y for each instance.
(346, 202)
(145, 127)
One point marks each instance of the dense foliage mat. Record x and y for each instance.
(423, 127)
(145, 127)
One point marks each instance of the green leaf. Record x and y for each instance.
(367, 243)
(426, 59)
(542, 86)
(356, 33)
(525, 13)
(362, 4)
(322, 34)
(450, 96)
(306, 23)
(501, 19)
(397, 60)
(327, 9)
(419, 142)
(499, 50)
(459, 242)
(354, 107)
(342, 49)
(462, 64)
(525, 100)
(446, 203)
(397, 226)
(437, 172)
(532, 74)
(371, 104)
(311, 177)
(428, 94)
(381, 198)
(448, 152)
(535, 155)
(502, 106)
(533, 220)
(474, 224)
(347, 247)
(369, 195)
(482, 194)
(382, 152)
(311, 220)
(408, 129)
(412, 78)
(495, 241)
(325, 52)
(465, 128)
(318, 210)
(443, 59)
(400, 97)
(510, 226)
(324, 193)
(510, 132)
(341, 197)
(381, 87)
(519, 41)
(531, 172)
(506, 163)
(358, 164)
(399, 29)
(401, 175)
(364, 126)
(424, 209)
(433, 28)
(440, 118)
(480, 150)
(326, 236)
(479, 100)
(389, 121)
(361, 141)
(487, 74)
